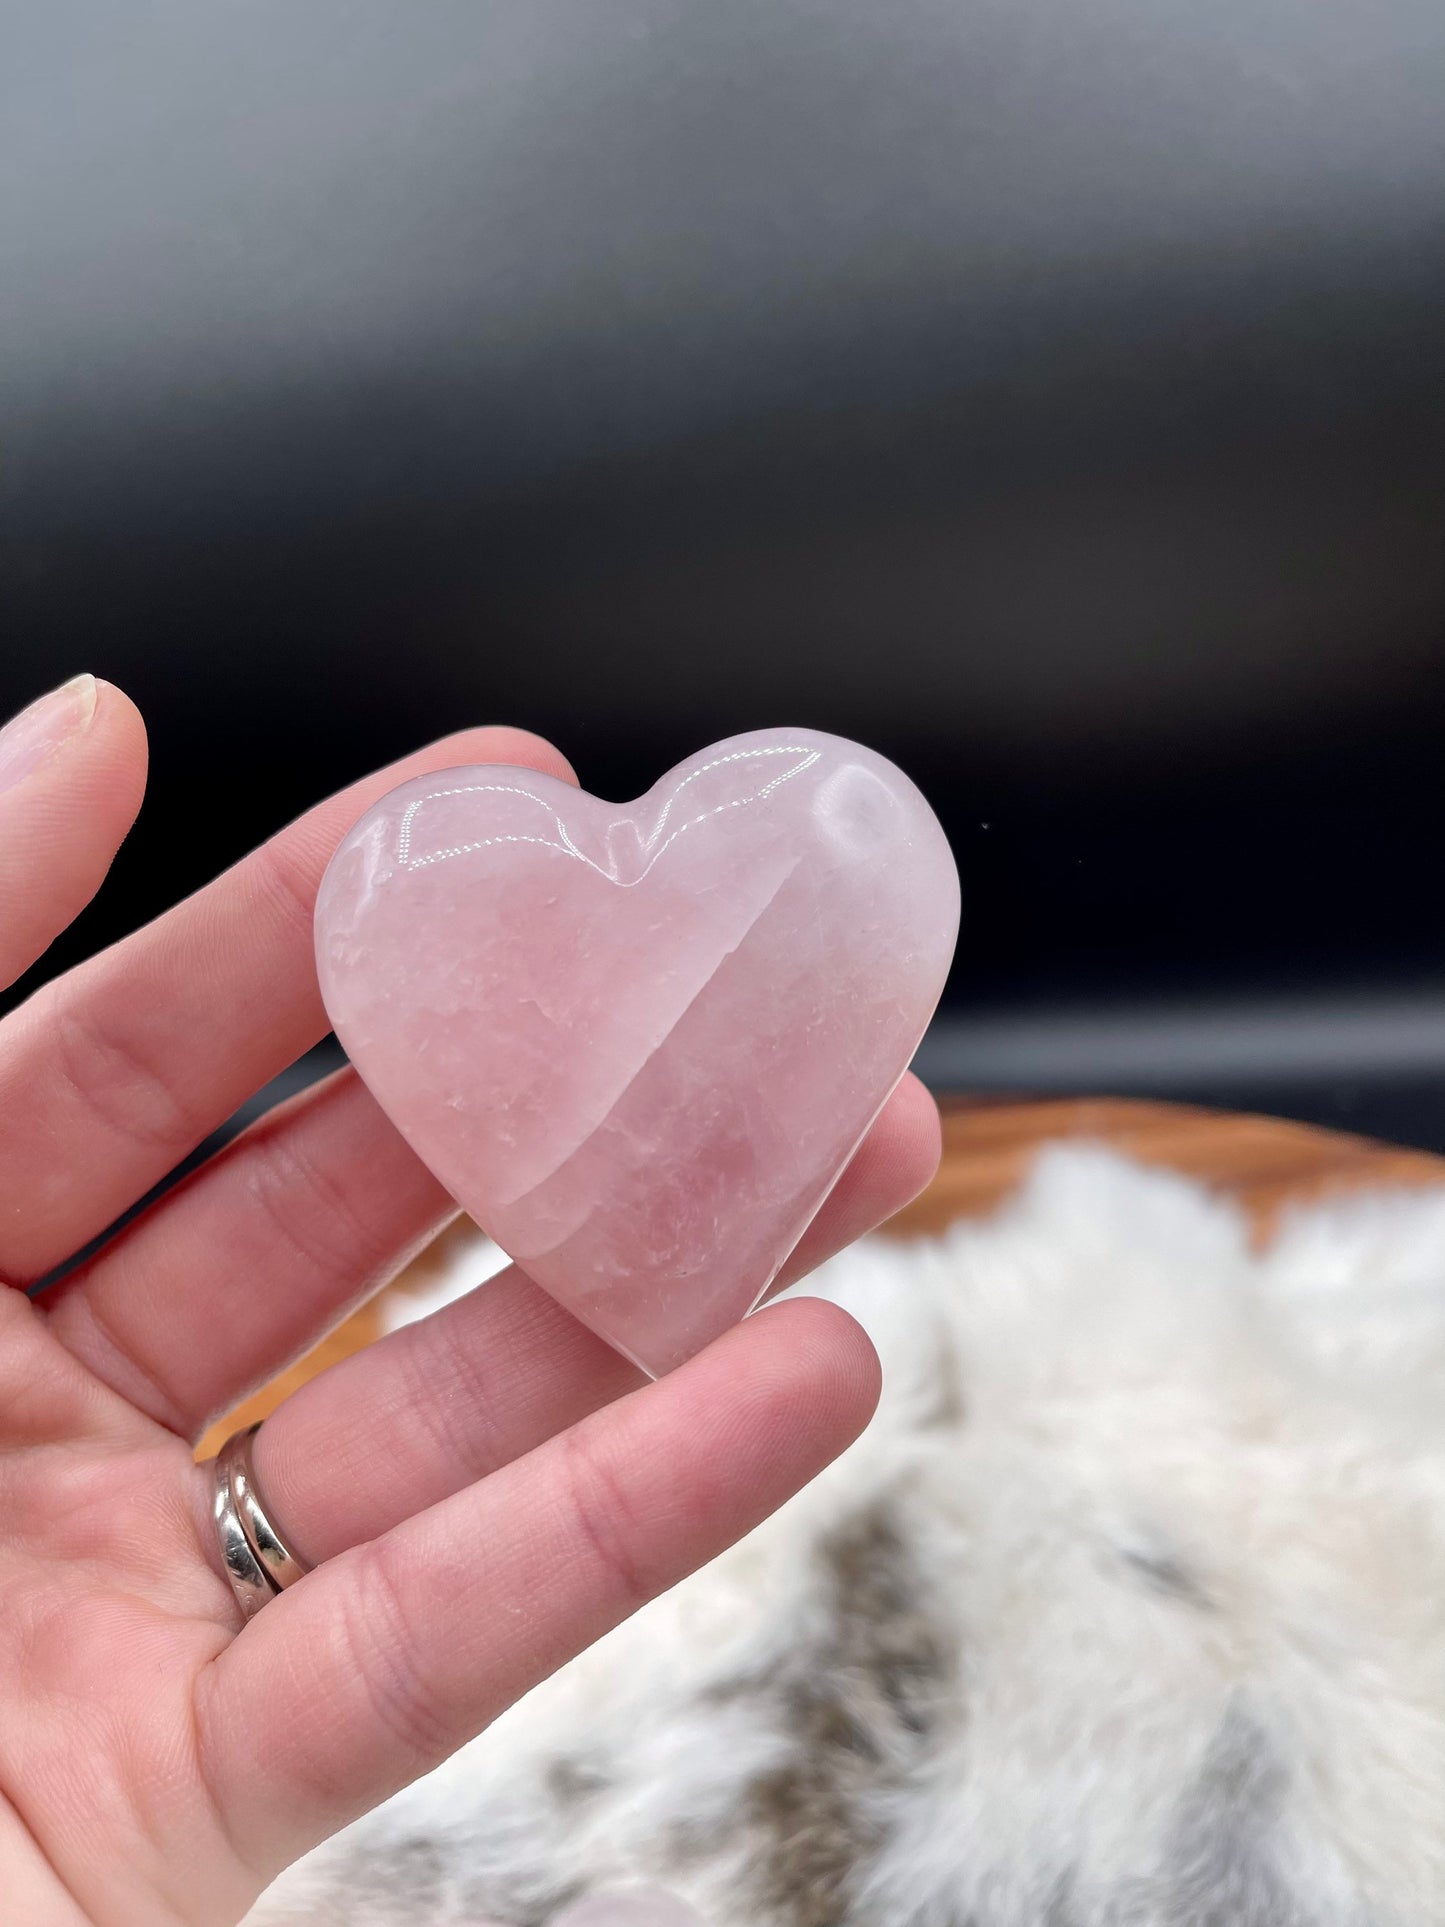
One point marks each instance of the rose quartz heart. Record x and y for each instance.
(639, 1043)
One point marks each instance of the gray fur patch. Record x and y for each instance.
(1165, 1572)
(1223, 1863)
(858, 1709)
(948, 1409)
(406, 1873)
(420, 1881)
(572, 1782)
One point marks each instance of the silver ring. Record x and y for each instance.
(283, 1568)
(258, 1562)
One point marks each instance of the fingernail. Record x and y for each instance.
(37, 732)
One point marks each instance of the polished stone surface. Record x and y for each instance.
(638, 1043)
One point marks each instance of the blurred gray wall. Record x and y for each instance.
(1052, 391)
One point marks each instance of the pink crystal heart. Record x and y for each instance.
(639, 1043)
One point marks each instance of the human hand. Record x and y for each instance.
(481, 1494)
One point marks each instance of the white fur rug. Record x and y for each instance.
(1127, 1611)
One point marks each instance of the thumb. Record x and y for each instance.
(72, 774)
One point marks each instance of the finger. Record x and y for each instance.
(72, 774)
(395, 1654)
(447, 1400)
(114, 1073)
(252, 1258)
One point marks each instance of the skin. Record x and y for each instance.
(483, 1493)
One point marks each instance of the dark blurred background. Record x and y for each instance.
(1049, 392)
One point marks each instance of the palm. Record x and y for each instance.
(481, 1494)
(111, 1614)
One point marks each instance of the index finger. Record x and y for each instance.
(115, 1072)
(72, 773)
